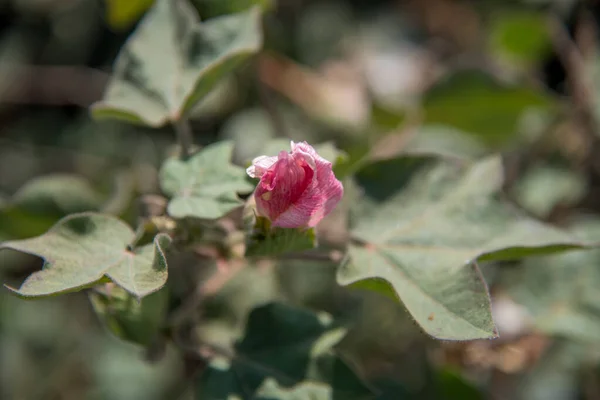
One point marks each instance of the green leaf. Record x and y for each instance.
(84, 249)
(205, 185)
(129, 318)
(288, 345)
(475, 102)
(561, 291)
(421, 227)
(172, 61)
(521, 36)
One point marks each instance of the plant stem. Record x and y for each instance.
(578, 79)
(184, 137)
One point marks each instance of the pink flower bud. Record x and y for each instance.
(296, 189)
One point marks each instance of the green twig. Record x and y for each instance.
(184, 137)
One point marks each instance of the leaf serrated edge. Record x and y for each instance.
(103, 278)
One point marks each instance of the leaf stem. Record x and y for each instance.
(184, 137)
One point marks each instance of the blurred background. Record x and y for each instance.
(459, 77)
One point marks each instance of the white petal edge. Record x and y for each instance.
(260, 165)
(307, 152)
(306, 148)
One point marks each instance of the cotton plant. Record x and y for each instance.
(421, 223)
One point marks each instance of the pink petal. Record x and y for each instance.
(318, 200)
(283, 185)
(330, 188)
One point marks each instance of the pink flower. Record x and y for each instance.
(296, 189)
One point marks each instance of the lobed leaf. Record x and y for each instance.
(172, 61)
(205, 185)
(285, 346)
(84, 249)
(423, 224)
